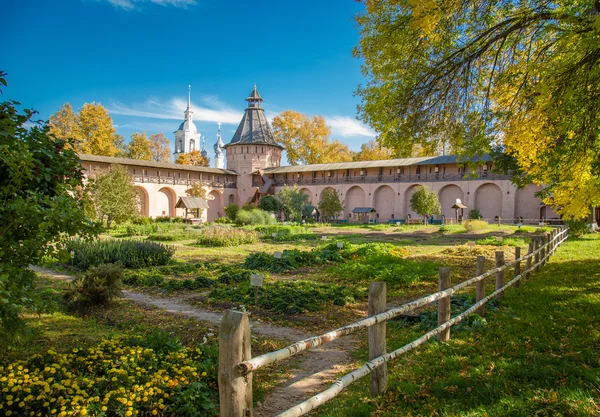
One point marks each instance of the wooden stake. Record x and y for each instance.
(529, 259)
(517, 265)
(499, 274)
(235, 389)
(444, 303)
(377, 337)
(537, 241)
(480, 285)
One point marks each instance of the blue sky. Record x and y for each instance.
(137, 58)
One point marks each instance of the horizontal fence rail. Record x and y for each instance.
(539, 251)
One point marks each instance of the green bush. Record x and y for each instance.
(288, 297)
(285, 233)
(234, 276)
(384, 262)
(475, 215)
(99, 286)
(510, 241)
(453, 228)
(254, 217)
(577, 228)
(293, 258)
(223, 220)
(474, 225)
(130, 253)
(216, 235)
(231, 211)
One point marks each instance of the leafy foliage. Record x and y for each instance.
(474, 225)
(116, 378)
(293, 202)
(372, 151)
(270, 203)
(139, 147)
(253, 217)
(39, 179)
(231, 211)
(475, 214)
(288, 297)
(294, 258)
(130, 253)
(425, 201)
(160, 148)
(114, 196)
(91, 129)
(99, 286)
(330, 204)
(285, 233)
(306, 139)
(217, 235)
(194, 158)
(469, 73)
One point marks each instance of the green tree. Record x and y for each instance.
(113, 195)
(139, 147)
(306, 139)
(425, 201)
(39, 179)
(525, 74)
(330, 204)
(270, 203)
(293, 202)
(160, 148)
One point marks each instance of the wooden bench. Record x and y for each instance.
(414, 221)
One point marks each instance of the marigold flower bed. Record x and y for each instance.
(114, 378)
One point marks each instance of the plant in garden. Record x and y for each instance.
(114, 196)
(39, 181)
(98, 286)
(270, 203)
(254, 217)
(217, 235)
(231, 211)
(130, 253)
(474, 225)
(330, 204)
(475, 214)
(293, 201)
(114, 378)
(425, 201)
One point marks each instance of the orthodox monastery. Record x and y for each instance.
(380, 188)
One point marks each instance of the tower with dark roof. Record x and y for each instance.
(253, 147)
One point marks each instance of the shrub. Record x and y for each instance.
(84, 381)
(231, 211)
(285, 233)
(577, 228)
(130, 253)
(223, 220)
(474, 225)
(99, 286)
(270, 204)
(235, 276)
(254, 217)
(510, 241)
(294, 258)
(288, 297)
(475, 215)
(226, 236)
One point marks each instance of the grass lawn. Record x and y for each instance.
(538, 354)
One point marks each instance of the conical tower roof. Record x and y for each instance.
(254, 129)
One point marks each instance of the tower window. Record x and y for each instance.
(256, 149)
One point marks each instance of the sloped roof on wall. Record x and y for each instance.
(192, 203)
(152, 164)
(364, 210)
(387, 163)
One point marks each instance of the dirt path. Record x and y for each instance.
(315, 370)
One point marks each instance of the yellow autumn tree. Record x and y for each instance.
(372, 151)
(139, 147)
(306, 139)
(160, 148)
(194, 158)
(92, 128)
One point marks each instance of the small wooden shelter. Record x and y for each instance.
(193, 205)
(459, 205)
(363, 214)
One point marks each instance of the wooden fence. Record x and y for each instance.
(236, 364)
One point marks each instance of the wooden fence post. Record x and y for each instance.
(480, 286)
(537, 255)
(377, 337)
(444, 303)
(235, 389)
(517, 265)
(544, 250)
(499, 274)
(528, 262)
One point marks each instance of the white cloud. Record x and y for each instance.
(173, 109)
(133, 4)
(348, 127)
